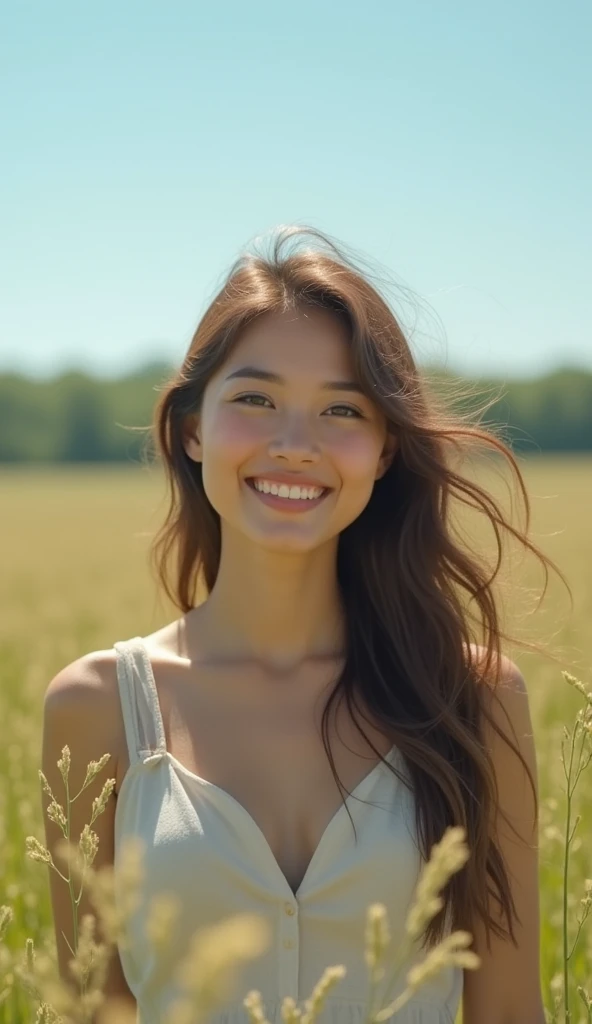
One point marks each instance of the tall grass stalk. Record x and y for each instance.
(580, 737)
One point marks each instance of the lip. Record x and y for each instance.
(287, 504)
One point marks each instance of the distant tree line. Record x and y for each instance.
(79, 418)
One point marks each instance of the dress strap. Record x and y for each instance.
(142, 717)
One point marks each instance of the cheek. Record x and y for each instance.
(356, 455)
(230, 436)
(229, 441)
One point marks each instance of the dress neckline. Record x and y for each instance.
(161, 752)
(362, 788)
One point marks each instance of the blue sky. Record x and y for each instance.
(146, 145)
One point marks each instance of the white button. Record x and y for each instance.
(289, 909)
(288, 944)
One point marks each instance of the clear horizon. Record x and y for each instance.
(146, 147)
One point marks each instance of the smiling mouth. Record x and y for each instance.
(287, 504)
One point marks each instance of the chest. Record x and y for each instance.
(259, 742)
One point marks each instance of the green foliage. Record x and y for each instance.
(77, 418)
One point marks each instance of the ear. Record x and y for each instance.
(388, 453)
(191, 438)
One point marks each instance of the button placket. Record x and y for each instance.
(289, 949)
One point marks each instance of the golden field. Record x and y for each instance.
(75, 577)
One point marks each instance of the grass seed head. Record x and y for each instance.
(446, 858)
(377, 939)
(314, 1006)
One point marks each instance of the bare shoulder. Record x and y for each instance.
(82, 702)
(506, 703)
(509, 678)
(87, 683)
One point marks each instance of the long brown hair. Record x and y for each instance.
(406, 579)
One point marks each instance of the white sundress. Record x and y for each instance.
(204, 848)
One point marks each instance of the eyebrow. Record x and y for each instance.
(255, 373)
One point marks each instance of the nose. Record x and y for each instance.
(295, 441)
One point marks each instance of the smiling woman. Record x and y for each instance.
(344, 622)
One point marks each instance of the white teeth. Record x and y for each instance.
(284, 491)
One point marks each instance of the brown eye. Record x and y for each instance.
(251, 394)
(349, 409)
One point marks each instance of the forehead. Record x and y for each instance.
(313, 340)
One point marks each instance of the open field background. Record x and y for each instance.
(75, 578)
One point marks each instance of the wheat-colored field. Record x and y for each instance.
(75, 578)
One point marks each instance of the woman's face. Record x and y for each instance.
(296, 425)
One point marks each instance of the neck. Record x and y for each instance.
(273, 608)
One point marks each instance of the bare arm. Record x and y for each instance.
(506, 989)
(80, 712)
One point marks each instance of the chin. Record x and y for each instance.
(286, 541)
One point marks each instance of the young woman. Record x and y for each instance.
(348, 643)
